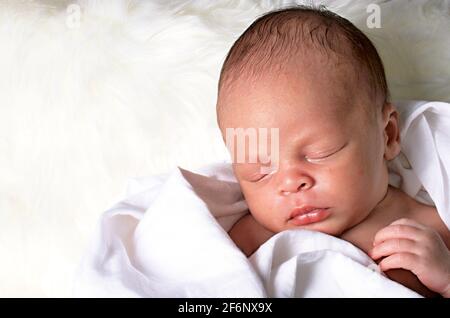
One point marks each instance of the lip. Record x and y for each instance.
(308, 214)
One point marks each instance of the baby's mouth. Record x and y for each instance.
(307, 215)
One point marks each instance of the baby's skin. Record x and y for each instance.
(425, 241)
(332, 173)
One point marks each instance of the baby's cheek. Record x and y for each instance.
(349, 174)
(257, 201)
(358, 167)
(361, 172)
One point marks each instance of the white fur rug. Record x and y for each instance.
(93, 92)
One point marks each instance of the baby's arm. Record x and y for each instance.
(249, 235)
(412, 246)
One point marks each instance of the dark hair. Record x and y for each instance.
(275, 37)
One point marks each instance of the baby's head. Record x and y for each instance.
(319, 80)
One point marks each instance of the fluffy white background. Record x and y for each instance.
(129, 90)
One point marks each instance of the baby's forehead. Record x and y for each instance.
(287, 116)
(300, 85)
(315, 84)
(298, 128)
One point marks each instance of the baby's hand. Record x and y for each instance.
(412, 246)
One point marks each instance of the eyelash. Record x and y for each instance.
(307, 159)
(262, 177)
(325, 157)
(320, 158)
(255, 180)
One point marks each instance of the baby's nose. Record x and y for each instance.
(292, 183)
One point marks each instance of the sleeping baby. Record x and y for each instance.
(319, 81)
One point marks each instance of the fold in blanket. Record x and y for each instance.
(424, 163)
(168, 237)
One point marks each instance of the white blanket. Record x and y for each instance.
(168, 237)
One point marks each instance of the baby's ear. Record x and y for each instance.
(391, 132)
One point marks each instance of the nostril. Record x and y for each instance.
(293, 185)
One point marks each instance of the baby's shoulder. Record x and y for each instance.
(429, 216)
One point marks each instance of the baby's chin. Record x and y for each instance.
(327, 226)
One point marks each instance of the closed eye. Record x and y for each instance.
(265, 171)
(262, 176)
(258, 178)
(319, 158)
(322, 157)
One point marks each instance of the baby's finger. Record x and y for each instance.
(399, 231)
(406, 261)
(393, 246)
(410, 222)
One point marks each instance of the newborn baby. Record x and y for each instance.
(319, 80)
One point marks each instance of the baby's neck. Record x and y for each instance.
(395, 205)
